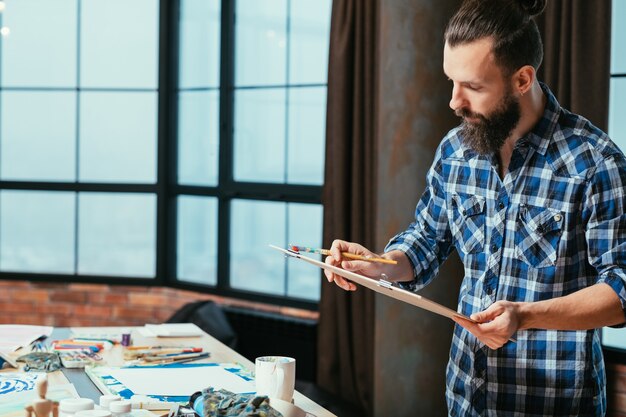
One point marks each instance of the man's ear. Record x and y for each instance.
(523, 79)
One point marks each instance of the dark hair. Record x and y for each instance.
(516, 38)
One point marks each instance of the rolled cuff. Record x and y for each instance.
(617, 284)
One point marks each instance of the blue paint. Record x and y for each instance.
(10, 383)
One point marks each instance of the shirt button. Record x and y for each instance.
(493, 247)
(500, 205)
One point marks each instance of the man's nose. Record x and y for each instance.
(457, 100)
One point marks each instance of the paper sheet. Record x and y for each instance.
(171, 330)
(15, 336)
(17, 390)
(180, 381)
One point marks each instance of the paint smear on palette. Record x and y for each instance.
(18, 382)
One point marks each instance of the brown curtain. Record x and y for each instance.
(577, 55)
(346, 329)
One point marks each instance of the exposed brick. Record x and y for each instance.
(63, 321)
(50, 320)
(107, 298)
(19, 307)
(176, 303)
(8, 318)
(6, 295)
(79, 322)
(95, 298)
(146, 299)
(54, 309)
(132, 313)
(76, 297)
(163, 290)
(30, 319)
(121, 321)
(67, 305)
(14, 284)
(162, 314)
(128, 289)
(49, 285)
(30, 295)
(89, 287)
(92, 311)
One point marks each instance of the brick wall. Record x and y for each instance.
(66, 305)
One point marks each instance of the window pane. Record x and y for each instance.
(618, 58)
(197, 240)
(259, 137)
(41, 50)
(614, 337)
(119, 43)
(38, 136)
(261, 42)
(199, 55)
(254, 266)
(305, 229)
(308, 42)
(37, 231)
(123, 150)
(307, 135)
(617, 110)
(117, 234)
(198, 137)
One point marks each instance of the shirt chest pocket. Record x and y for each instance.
(538, 235)
(467, 213)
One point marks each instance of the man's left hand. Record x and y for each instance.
(494, 326)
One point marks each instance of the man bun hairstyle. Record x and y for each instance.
(516, 38)
(533, 7)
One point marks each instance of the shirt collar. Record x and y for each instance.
(541, 134)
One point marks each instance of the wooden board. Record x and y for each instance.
(382, 287)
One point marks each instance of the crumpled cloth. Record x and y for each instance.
(41, 361)
(222, 403)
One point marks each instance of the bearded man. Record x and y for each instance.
(533, 199)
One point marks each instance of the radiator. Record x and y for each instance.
(267, 334)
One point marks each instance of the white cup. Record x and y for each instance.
(275, 377)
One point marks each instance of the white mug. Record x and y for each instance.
(275, 377)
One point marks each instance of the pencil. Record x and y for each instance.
(348, 255)
(154, 360)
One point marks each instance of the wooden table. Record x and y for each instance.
(114, 357)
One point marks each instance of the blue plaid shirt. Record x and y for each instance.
(554, 225)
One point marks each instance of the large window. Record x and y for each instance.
(616, 338)
(78, 138)
(163, 142)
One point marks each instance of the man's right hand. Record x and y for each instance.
(368, 269)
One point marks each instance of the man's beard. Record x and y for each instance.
(489, 134)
